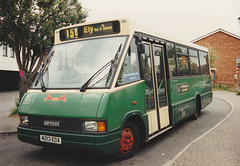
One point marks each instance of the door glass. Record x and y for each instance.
(158, 57)
(147, 73)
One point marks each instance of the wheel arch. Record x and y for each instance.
(198, 100)
(141, 122)
(197, 110)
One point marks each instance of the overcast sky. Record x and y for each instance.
(183, 19)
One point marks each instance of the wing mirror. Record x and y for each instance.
(141, 48)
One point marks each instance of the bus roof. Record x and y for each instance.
(139, 28)
(126, 27)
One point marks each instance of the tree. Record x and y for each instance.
(212, 55)
(28, 27)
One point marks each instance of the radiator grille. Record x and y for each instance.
(71, 125)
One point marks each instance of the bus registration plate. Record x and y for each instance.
(51, 139)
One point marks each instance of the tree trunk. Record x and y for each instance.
(23, 86)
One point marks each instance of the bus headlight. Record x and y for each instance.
(94, 126)
(24, 120)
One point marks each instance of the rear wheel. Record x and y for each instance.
(129, 141)
(198, 110)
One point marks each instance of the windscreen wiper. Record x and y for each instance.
(40, 78)
(41, 73)
(88, 82)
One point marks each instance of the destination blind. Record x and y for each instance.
(105, 28)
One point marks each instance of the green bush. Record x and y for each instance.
(238, 93)
(14, 110)
(220, 87)
(226, 88)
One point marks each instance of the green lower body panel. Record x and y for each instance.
(187, 107)
(106, 144)
(206, 99)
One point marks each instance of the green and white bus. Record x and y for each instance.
(108, 87)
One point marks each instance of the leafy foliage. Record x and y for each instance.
(238, 93)
(28, 27)
(14, 110)
(220, 87)
(212, 55)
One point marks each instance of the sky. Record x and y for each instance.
(181, 19)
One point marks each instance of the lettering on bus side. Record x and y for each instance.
(183, 112)
(182, 88)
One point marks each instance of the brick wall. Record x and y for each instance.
(227, 49)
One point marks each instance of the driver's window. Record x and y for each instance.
(130, 70)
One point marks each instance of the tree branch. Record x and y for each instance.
(36, 68)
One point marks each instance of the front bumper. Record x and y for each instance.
(106, 144)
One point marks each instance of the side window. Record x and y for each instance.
(130, 70)
(194, 62)
(203, 56)
(172, 60)
(4, 50)
(11, 53)
(183, 61)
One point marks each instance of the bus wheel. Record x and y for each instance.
(129, 141)
(198, 110)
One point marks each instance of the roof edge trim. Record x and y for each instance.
(216, 31)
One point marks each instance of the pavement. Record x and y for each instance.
(7, 102)
(218, 146)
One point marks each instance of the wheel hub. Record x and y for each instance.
(127, 140)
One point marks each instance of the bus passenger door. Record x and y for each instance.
(146, 60)
(155, 87)
(147, 65)
(161, 84)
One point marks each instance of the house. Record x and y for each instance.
(9, 73)
(226, 48)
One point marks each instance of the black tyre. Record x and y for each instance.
(198, 110)
(129, 141)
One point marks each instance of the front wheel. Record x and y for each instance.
(129, 141)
